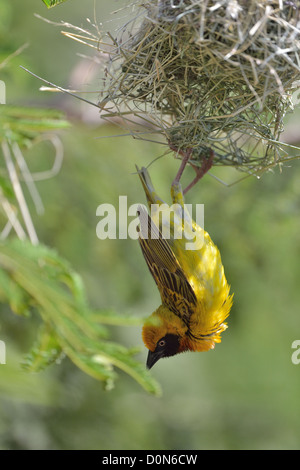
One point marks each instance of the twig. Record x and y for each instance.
(19, 193)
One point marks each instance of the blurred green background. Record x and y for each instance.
(242, 395)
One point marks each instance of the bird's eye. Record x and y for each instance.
(161, 343)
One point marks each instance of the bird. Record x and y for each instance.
(195, 295)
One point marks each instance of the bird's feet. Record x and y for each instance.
(207, 163)
(186, 156)
(200, 171)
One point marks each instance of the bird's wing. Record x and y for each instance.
(175, 289)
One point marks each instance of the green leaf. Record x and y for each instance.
(12, 293)
(22, 125)
(52, 3)
(46, 351)
(35, 276)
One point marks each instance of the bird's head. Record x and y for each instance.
(166, 346)
(164, 334)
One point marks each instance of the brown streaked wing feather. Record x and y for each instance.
(175, 290)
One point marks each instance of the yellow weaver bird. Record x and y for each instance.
(195, 299)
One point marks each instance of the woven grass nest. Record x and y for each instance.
(211, 75)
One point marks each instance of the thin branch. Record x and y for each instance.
(19, 193)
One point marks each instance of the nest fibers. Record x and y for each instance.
(212, 75)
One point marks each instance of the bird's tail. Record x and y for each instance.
(176, 193)
(152, 196)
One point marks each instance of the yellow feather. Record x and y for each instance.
(193, 287)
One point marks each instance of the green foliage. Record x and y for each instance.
(22, 125)
(35, 277)
(52, 3)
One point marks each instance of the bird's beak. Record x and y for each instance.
(153, 358)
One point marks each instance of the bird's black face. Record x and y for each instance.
(165, 347)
